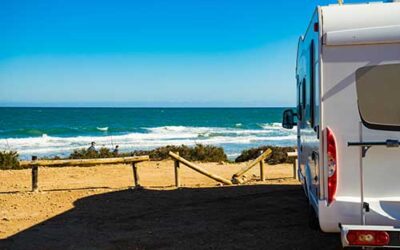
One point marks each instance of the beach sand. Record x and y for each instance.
(94, 207)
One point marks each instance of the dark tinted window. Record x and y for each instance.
(378, 91)
(312, 85)
(301, 105)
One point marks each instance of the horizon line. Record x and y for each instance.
(149, 107)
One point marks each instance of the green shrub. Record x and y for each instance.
(204, 153)
(279, 154)
(9, 160)
(105, 153)
(90, 154)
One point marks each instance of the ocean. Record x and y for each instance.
(58, 131)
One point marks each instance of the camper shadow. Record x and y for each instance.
(240, 217)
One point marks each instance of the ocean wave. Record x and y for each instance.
(213, 131)
(46, 145)
(104, 129)
(55, 131)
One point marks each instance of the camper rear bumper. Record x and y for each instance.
(347, 211)
(370, 236)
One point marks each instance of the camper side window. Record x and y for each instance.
(316, 90)
(301, 105)
(378, 91)
(312, 85)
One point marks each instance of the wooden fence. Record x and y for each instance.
(34, 164)
(237, 178)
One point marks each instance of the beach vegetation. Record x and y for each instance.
(9, 160)
(203, 153)
(200, 152)
(279, 154)
(91, 154)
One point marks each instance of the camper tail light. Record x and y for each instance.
(332, 165)
(367, 238)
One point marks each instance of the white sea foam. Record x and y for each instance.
(102, 129)
(155, 137)
(273, 126)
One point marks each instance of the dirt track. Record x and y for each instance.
(73, 215)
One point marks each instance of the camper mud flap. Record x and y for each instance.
(370, 236)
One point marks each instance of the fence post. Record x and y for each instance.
(35, 173)
(261, 157)
(262, 173)
(177, 169)
(136, 176)
(294, 170)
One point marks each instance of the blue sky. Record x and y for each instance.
(150, 53)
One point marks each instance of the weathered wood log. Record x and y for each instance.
(177, 170)
(262, 173)
(136, 176)
(35, 173)
(262, 157)
(85, 162)
(199, 169)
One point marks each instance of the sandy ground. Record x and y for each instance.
(94, 208)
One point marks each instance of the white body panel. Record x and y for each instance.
(361, 24)
(339, 106)
(347, 38)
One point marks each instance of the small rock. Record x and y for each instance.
(5, 219)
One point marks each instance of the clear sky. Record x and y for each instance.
(150, 52)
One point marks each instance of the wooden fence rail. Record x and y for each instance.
(258, 160)
(196, 168)
(83, 162)
(35, 164)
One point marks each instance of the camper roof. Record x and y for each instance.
(361, 23)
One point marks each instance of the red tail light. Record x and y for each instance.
(367, 238)
(332, 165)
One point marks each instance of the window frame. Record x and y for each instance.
(377, 126)
(301, 93)
(312, 84)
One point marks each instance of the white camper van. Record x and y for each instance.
(348, 121)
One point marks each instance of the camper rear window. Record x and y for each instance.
(378, 91)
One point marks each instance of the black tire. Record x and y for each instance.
(313, 221)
